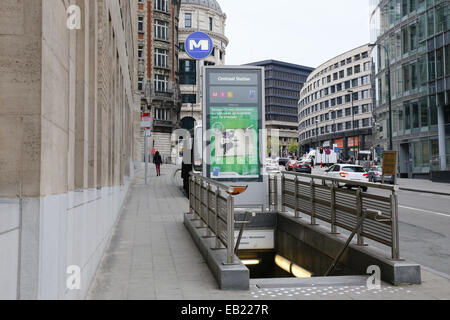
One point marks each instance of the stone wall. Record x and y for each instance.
(66, 139)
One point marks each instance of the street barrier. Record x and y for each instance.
(339, 207)
(212, 203)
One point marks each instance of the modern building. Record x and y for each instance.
(157, 78)
(335, 106)
(66, 139)
(283, 83)
(207, 17)
(413, 52)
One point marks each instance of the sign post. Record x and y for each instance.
(233, 126)
(146, 124)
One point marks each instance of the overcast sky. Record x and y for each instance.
(305, 32)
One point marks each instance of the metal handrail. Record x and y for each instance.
(343, 208)
(198, 186)
(345, 181)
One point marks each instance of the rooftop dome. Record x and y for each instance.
(212, 4)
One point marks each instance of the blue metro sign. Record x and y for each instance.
(199, 45)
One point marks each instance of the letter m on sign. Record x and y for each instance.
(201, 44)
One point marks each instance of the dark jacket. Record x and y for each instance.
(157, 159)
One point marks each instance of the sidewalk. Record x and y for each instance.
(152, 256)
(420, 185)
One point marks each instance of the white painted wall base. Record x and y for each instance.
(56, 232)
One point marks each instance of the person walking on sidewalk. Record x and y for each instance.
(157, 160)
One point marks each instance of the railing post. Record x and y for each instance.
(297, 214)
(283, 205)
(313, 202)
(216, 223)
(196, 198)
(270, 193)
(333, 208)
(191, 209)
(208, 230)
(359, 237)
(202, 210)
(230, 226)
(275, 194)
(394, 227)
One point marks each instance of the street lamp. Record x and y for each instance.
(353, 125)
(388, 75)
(317, 132)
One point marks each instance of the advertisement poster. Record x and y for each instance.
(234, 142)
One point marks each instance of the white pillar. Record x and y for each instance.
(441, 135)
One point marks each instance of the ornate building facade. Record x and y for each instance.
(204, 16)
(157, 79)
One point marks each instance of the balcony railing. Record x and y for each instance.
(170, 92)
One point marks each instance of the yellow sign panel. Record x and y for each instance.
(390, 163)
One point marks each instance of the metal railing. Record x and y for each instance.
(326, 201)
(212, 204)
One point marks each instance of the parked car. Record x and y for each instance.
(272, 165)
(303, 166)
(283, 161)
(290, 165)
(348, 172)
(375, 175)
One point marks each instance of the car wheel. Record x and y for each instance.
(365, 189)
(349, 188)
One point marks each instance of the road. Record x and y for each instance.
(424, 228)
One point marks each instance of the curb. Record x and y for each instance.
(425, 191)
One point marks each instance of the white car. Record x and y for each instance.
(272, 165)
(349, 172)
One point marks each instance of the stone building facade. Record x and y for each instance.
(335, 105)
(67, 113)
(207, 17)
(157, 80)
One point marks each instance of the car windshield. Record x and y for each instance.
(375, 169)
(353, 169)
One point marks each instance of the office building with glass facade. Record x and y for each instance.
(412, 50)
(335, 106)
(283, 82)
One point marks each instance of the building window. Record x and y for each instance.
(188, 20)
(140, 83)
(161, 29)
(161, 5)
(140, 51)
(349, 72)
(161, 114)
(161, 58)
(366, 122)
(188, 72)
(189, 98)
(141, 24)
(161, 83)
(211, 24)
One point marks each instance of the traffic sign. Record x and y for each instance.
(199, 45)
